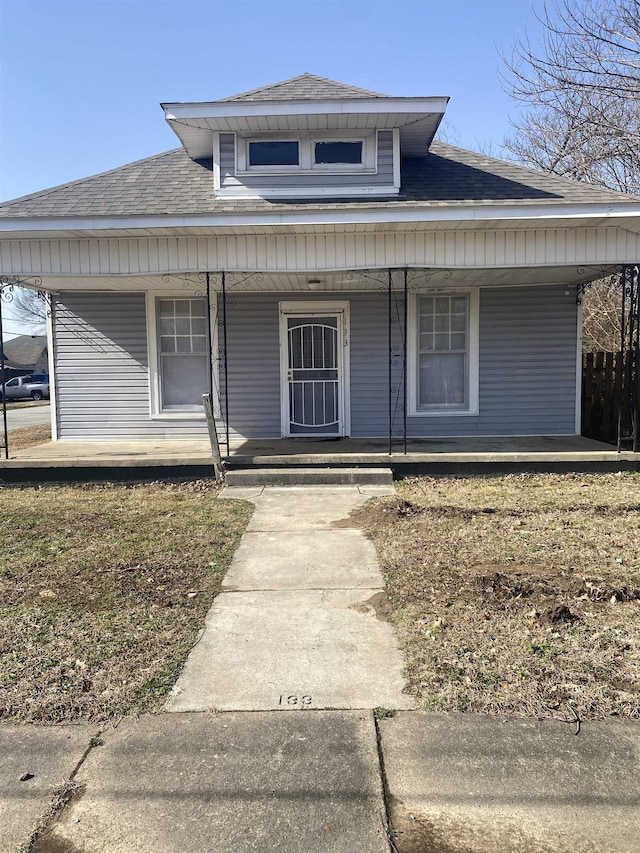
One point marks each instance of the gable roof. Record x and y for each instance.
(304, 87)
(172, 184)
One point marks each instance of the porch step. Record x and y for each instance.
(292, 476)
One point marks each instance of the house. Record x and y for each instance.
(313, 257)
(26, 354)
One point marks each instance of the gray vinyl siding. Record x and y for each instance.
(527, 365)
(383, 176)
(102, 370)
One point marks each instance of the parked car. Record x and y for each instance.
(35, 386)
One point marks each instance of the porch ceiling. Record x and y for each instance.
(331, 282)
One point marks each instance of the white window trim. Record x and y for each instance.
(155, 392)
(474, 355)
(306, 142)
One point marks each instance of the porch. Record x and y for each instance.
(164, 459)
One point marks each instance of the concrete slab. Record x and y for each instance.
(49, 754)
(232, 783)
(486, 785)
(319, 559)
(288, 475)
(298, 508)
(292, 649)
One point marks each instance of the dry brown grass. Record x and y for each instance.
(23, 437)
(102, 592)
(516, 595)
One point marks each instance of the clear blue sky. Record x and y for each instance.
(81, 80)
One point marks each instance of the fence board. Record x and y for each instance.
(602, 395)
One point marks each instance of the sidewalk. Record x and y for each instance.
(300, 619)
(272, 743)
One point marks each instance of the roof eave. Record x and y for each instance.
(561, 215)
(215, 109)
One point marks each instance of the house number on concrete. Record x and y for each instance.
(295, 701)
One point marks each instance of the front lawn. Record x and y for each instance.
(29, 436)
(518, 594)
(103, 590)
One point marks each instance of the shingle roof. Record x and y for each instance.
(24, 350)
(172, 184)
(302, 88)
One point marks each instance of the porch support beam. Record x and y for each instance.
(223, 280)
(404, 357)
(390, 359)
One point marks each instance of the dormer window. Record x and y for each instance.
(337, 152)
(278, 152)
(304, 153)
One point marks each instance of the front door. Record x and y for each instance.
(313, 371)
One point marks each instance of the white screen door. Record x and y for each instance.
(313, 387)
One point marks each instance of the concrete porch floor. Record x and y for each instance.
(360, 451)
(191, 456)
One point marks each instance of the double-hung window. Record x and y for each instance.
(182, 353)
(444, 354)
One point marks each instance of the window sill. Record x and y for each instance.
(178, 416)
(443, 413)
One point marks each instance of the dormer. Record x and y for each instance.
(307, 137)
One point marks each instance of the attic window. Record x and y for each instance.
(274, 153)
(338, 152)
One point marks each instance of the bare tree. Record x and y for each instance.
(581, 116)
(581, 93)
(30, 308)
(601, 316)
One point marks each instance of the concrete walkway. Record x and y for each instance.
(300, 622)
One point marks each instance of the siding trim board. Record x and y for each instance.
(469, 249)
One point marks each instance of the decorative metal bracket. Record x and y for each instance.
(581, 289)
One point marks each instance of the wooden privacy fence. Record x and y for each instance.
(606, 397)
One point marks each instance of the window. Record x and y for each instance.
(182, 346)
(352, 151)
(338, 152)
(274, 153)
(444, 378)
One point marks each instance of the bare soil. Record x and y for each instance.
(516, 595)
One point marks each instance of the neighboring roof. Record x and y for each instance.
(172, 184)
(24, 351)
(302, 88)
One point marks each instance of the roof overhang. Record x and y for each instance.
(625, 215)
(417, 118)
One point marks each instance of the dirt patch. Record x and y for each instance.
(516, 595)
(379, 603)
